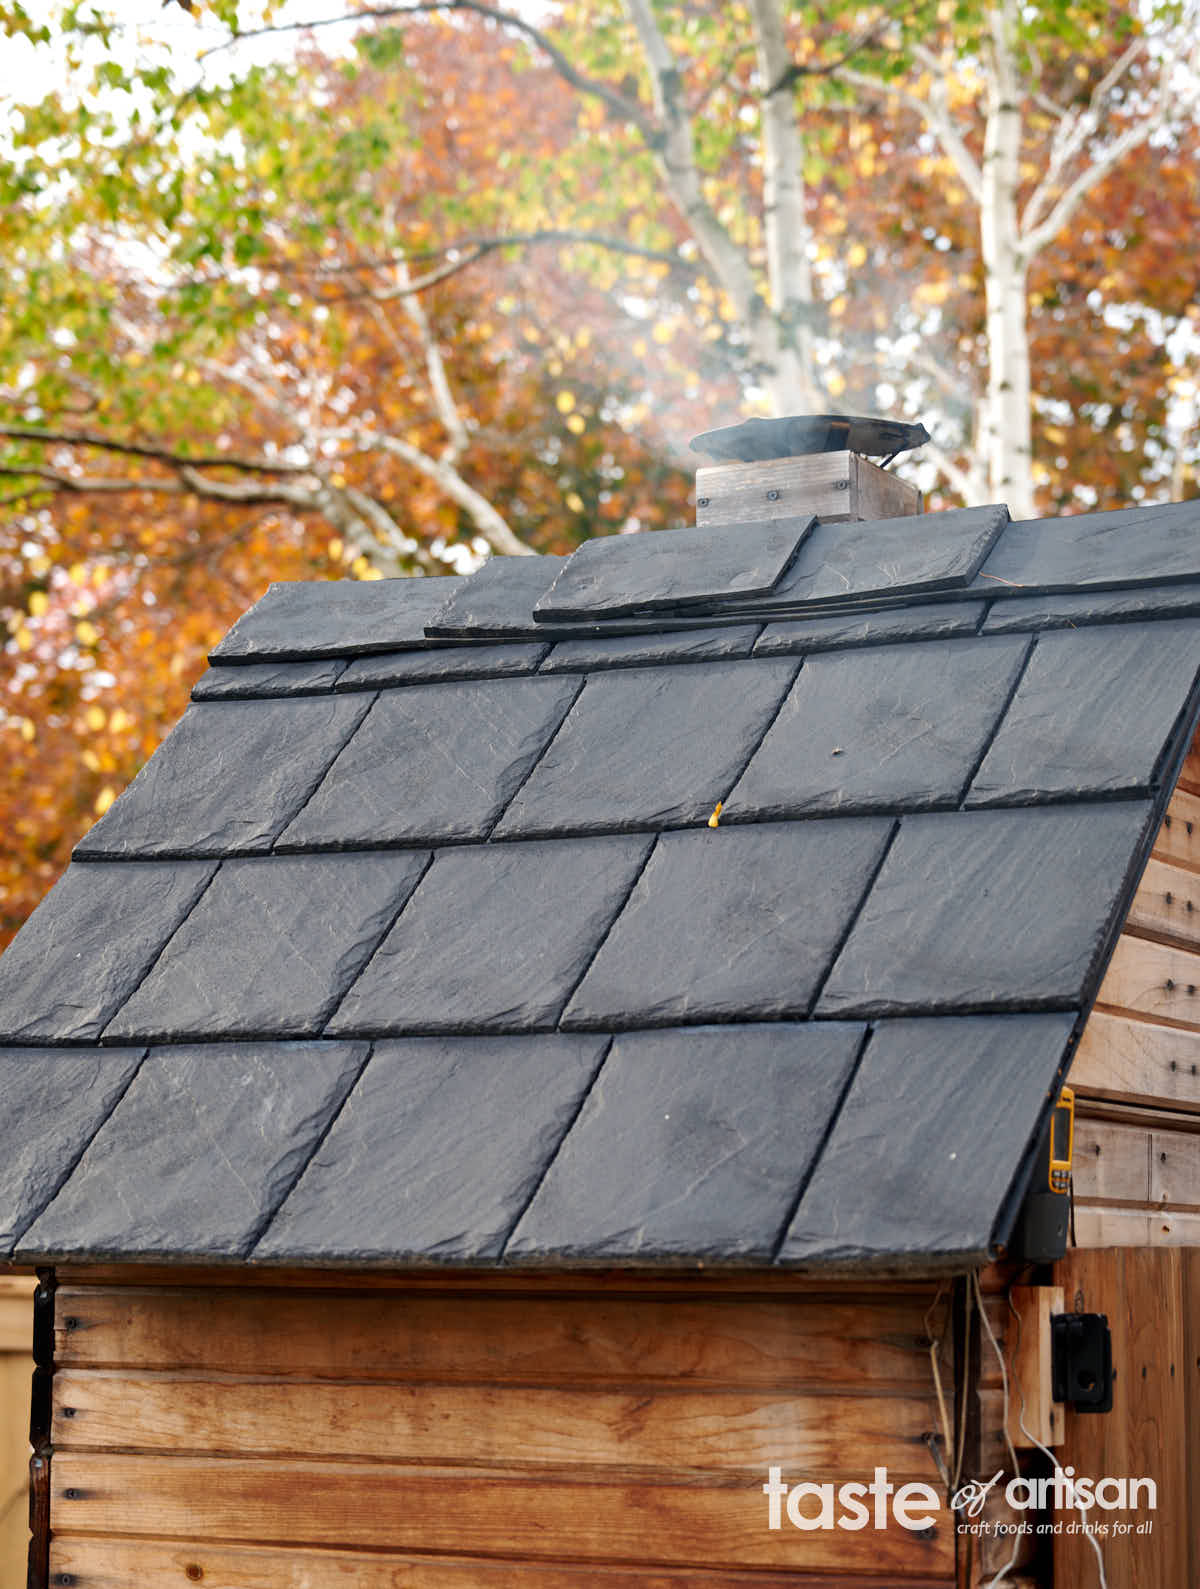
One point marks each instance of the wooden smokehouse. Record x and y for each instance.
(555, 1077)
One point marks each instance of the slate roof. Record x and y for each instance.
(414, 943)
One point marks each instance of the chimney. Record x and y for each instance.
(806, 463)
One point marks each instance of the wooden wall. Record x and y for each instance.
(16, 1370)
(1137, 1071)
(528, 1437)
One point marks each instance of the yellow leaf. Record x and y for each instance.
(640, 349)
(371, 573)
(38, 603)
(838, 307)
(565, 402)
(24, 639)
(359, 567)
(119, 720)
(835, 381)
(335, 549)
(90, 760)
(39, 566)
(662, 332)
(856, 256)
(338, 482)
(28, 731)
(104, 799)
(576, 425)
(96, 718)
(574, 501)
(86, 633)
(77, 573)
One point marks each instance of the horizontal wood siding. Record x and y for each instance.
(283, 1436)
(16, 1370)
(1136, 1072)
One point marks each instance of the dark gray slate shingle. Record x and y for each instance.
(271, 947)
(858, 733)
(1093, 713)
(251, 680)
(227, 779)
(672, 569)
(438, 1149)
(645, 650)
(932, 620)
(1129, 546)
(890, 557)
(926, 1146)
(497, 599)
(495, 938)
(644, 750)
(199, 1152)
(732, 923)
(447, 662)
(432, 764)
(336, 618)
(52, 1102)
(1071, 608)
(692, 1143)
(988, 910)
(88, 945)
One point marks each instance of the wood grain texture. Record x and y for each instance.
(16, 1370)
(121, 1564)
(1031, 1405)
(1153, 979)
(393, 1508)
(1101, 1226)
(1178, 838)
(486, 1425)
(1138, 1060)
(1142, 1295)
(834, 485)
(1167, 904)
(455, 1339)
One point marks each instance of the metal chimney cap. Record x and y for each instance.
(757, 439)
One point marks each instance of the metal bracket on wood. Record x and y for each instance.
(39, 1431)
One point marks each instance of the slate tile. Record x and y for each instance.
(448, 662)
(52, 1100)
(199, 1152)
(693, 1143)
(1130, 546)
(956, 1100)
(1070, 609)
(495, 937)
(731, 923)
(227, 779)
(989, 911)
(496, 599)
(271, 947)
(932, 620)
(298, 619)
(890, 557)
(434, 764)
(88, 945)
(880, 731)
(250, 680)
(672, 569)
(638, 750)
(438, 1149)
(1093, 713)
(639, 651)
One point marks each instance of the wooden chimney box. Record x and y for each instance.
(833, 485)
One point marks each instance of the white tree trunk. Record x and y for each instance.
(1007, 420)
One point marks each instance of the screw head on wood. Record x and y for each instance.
(772, 496)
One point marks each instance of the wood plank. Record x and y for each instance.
(465, 1512)
(16, 1313)
(834, 485)
(490, 1426)
(1153, 979)
(470, 1339)
(118, 1564)
(1139, 1060)
(15, 1379)
(1178, 838)
(1190, 1280)
(1175, 1168)
(1099, 1225)
(1111, 1162)
(1167, 903)
(1031, 1403)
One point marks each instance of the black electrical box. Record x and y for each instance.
(1081, 1361)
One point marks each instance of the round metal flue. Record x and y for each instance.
(797, 434)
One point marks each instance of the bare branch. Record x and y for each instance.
(934, 112)
(138, 449)
(826, 68)
(625, 109)
(1042, 235)
(458, 439)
